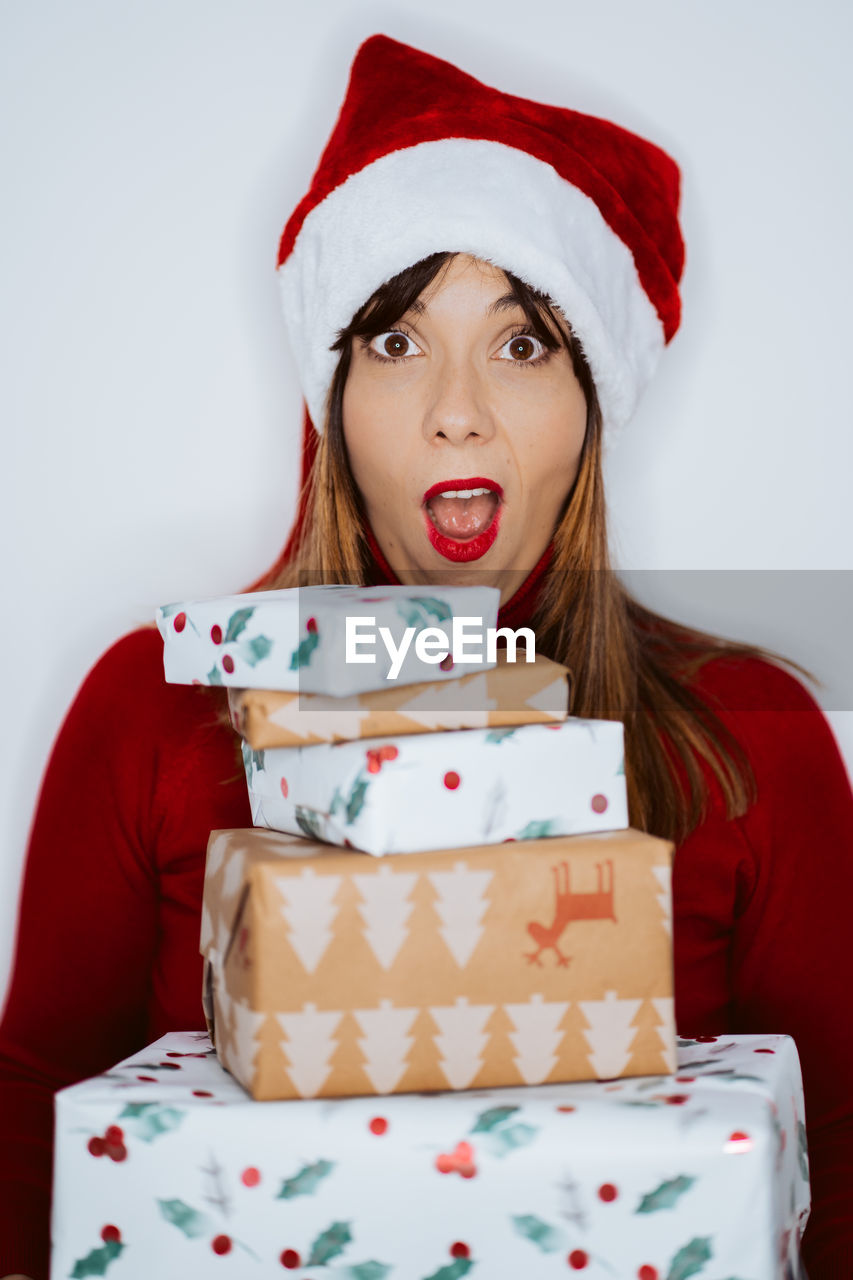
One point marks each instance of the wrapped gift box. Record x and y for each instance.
(332, 973)
(512, 693)
(445, 790)
(295, 639)
(164, 1167)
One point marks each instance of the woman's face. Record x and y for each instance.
(464, 432)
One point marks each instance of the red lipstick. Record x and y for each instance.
(463, 550)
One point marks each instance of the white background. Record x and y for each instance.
(151, 153)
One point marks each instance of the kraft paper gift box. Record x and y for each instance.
(296, 639)
(332, 973)
(445, 790)
(165, 1168)
(512, 693)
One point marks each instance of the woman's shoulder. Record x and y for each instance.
(745, 682)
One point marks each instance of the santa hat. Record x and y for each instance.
(424, 158)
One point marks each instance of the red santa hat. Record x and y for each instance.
(424, 158)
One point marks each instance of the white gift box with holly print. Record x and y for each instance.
(165, 1167)
(445, 790)
(295, 639)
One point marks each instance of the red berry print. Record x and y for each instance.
(451, 780)
(607, 1192)
(216, 634)
(284, 787)
(459, 1250)
(202, 1093)
(685, 1079)
(378, 1125)
(228, 663)
(647, 1273)
(460, 1160)
(765, 1050)
(250, 1177)
(705, 1039)
(578, 1259)
(388, 752)
(96, 1146)
(446, 664)
(676, 1099)
(114, 1134)
(290, 1259)
(311, 626)
(147, 1079)
(598, 804)
(566, 1109)
(179, 622)
(374, 760)
(221, 1244)
(110, 1234)
(116, 1151)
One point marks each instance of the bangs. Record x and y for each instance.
(387, 306)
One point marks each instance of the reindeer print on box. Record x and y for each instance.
(331, 973)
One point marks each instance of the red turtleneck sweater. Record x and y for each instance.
(107, 956)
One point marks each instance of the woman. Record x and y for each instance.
(463, 407)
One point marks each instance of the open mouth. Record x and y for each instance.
(463, 516)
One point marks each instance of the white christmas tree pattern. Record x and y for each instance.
(309, 909)
(461, 905)
(308, 1047)
(461, 1040)
(243, 1025)
(321, 716)
(385, 909)
(665, 1009)
(610, 1034)
(663, 876)
(438, 706)
(536, 1037)
(385, 1043)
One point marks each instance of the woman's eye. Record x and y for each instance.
(392, 345)
(523, 349)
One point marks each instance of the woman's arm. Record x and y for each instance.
(790, 954)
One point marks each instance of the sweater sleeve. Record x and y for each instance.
(791, 961)
(91, 918)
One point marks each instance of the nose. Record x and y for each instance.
(457, 408)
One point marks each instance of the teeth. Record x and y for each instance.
(464, 493)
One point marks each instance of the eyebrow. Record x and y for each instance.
(507, 302)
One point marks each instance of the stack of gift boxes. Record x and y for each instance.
(440, 895)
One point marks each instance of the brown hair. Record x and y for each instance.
(627, 662)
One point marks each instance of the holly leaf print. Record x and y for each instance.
(213, 676)
(365, 1271)
(620, 772)
(329, 1244)
(453, 1270)
(504, 1140)
(237, 624)
(803, 1150)
(690, 1259)
(422, 611)
(309, 822)
(357, 797)
(306, 1181)
(499, 735)
(542, 1234)
(488, 1120)
(302, 656)
(536, 829)
(188, 1220)
(96, 1262)
(153, 1122)
(666, 1196)
(255, 650)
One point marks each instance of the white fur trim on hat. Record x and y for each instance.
(496, 203)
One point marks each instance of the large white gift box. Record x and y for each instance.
(336, 640)
(414, 792)
(166, 1168)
